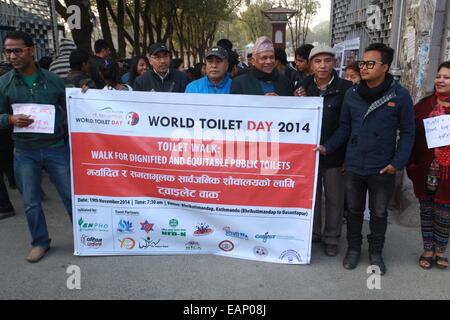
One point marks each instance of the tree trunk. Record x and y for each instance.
(81, 37)
(120, 31)
(147, 27)
(120, 27)
(104, 23)
(136, 26)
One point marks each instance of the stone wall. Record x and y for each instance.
(422, 45)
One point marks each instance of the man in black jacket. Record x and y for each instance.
(80, 69)
(161, 77)
(102, 52)
(326, 83)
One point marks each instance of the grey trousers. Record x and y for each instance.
(331, 181)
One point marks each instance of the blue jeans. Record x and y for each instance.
(28, 165)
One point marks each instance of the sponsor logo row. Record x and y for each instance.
(128, 243)
(126, 227)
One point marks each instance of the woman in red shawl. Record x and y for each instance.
(429, 170)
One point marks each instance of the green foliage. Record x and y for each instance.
(253, 23)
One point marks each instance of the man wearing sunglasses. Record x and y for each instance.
(372, 114)
(35, 150)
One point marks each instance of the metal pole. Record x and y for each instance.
(55, 27)
(396, 71)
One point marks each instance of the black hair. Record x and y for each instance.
(304, 51)
(45, 62)
(20, 35)
(233, 60)
(198, 70)
(226, 44)
(353, 66)
(77, 58)
(445, 64)
(281, 56)
(387, 53)
(250, 55)
(101, 44)
(176, 63)
(190, 70)
(110, 72)
(133, 68)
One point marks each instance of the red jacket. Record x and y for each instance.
(422, 157)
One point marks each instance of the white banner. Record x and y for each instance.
(158, 173)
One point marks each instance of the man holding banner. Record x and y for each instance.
(325, 82)
(372, 113)
(263, 78)
(32, 101)
(217, 79)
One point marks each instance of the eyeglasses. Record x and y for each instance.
(369, 64)
(16, 51)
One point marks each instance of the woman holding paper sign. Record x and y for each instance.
(429, 170)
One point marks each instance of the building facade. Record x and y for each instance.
(31, 16)
(419, 31)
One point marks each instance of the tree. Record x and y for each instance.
(186, 26)
(82, 36)
(299, 23)
(196, 24)
(121, 31)
(231, 29)
(320, 33)
(104, 23)
(255, 24)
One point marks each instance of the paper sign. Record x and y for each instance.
(437, 131)
(42, 114)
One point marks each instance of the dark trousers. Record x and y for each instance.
(381, 190)
(6, 167)
(5, 203)
(332, 182)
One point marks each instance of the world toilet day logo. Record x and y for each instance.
(132, 118)
(104, 117)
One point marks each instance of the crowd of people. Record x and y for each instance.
(370, 130)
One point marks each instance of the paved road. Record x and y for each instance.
(203, 277)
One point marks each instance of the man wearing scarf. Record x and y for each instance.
(372, 114)
(263, 78)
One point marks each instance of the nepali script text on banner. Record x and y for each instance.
(157, 173)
